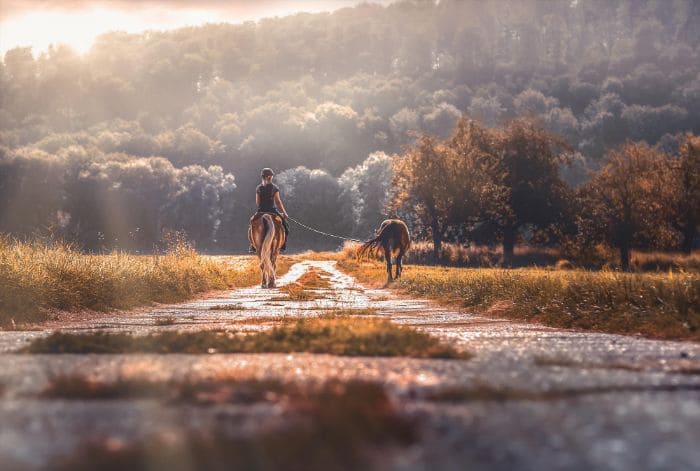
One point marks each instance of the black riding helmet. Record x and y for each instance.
(267, 172)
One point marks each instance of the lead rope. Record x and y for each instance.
(321, 232)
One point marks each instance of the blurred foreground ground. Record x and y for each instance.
(532, 397)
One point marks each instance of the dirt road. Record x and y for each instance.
(532, 397)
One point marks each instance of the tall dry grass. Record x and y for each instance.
(659, 305)
(35, 276)
(480, 256)
(421, 253)
(665, 261)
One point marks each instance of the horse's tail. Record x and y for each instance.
(266, 249)
(372, 244)
(405, 237)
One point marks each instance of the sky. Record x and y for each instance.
(39, 23)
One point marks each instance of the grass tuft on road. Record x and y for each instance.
(296, 292)
(315, 278)
(304, 289)
(331, 333)
(657, 305)
(227, 307)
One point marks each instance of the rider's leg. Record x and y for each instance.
(285, 224)
(286, 233)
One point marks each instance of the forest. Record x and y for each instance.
(532, 104)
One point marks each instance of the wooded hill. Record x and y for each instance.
(170, 129)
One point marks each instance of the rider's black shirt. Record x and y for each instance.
(267, 197)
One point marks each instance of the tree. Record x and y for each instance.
(31, 192)
(367, 188)
(448, 185)
(480, 190)
(198, 204)
(20, 84)
(314, 198)
(685, 203)
(625, 198)
(527, 165)
(120, 202)
(426, 180)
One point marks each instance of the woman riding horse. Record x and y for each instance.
(267, 199)
(268, 230)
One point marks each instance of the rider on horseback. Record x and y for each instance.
(267, 197)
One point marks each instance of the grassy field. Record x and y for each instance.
(37, 277)
(657, 305)
(599, 257)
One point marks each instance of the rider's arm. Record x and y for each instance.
(278, 202)
(257, 199)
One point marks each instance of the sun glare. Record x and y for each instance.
(78, 28)
(39, 29)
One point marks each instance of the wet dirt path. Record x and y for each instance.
(568, 400)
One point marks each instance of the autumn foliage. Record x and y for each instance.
(626, 199)
(503, 185)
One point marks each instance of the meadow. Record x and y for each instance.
(659, 304)
(599, 257)
(37, 277)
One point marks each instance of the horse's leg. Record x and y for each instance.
(387, 257)
(263, 280)
(399, 262)
(271, 282)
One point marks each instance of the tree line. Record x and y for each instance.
(504, 185)
(170, 129)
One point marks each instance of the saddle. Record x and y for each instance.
(258, 215)
(255, 227)
(256, 219)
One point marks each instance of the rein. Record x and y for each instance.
(321, 232)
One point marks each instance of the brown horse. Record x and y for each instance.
(266, 234)
(393, 238)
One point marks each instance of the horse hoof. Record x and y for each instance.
(272, 285)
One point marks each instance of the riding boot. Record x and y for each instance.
(286, 235)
